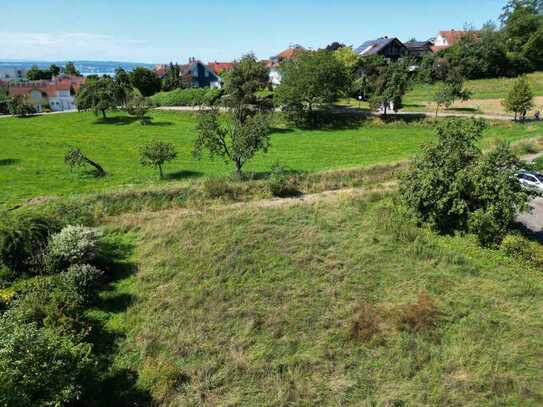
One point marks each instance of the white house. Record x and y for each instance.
(12, 74)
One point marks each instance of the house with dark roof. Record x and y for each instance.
(196, 72)
(390, 48)
(417, 49)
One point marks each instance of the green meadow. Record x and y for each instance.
(32, 150)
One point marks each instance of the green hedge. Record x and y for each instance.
(187, 97)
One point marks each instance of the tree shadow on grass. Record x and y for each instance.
(160, 124)
(117, 120)
(185, 174)
(9, 161)
(113, 385)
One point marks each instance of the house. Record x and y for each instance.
(390, 48)
(12, 74)
(199, 74)
(220, 67)
(274, 62)
(57, 95)
(417, 49)
(446, 39)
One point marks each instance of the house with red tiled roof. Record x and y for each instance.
(446, 39)
(274, 62)
(57, 94)
(220, 67)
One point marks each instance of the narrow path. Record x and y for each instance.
(169, 215)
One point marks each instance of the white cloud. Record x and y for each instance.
(69, 45)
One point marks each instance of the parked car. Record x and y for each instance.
(531, 180)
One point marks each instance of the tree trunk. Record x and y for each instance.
(160, 171)
(99, 170)
(437, 111)
(104, 114)
(238, 168)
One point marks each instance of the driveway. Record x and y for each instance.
(534, 219)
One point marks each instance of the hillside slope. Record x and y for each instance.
(337, 303)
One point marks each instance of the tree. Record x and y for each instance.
(173, 78)
(122, 86)
(76, 158)
(536, 6)
(246, 130)
(138, 107)
(156, 154)
(37, 74)
(349, 58)
(18, 106)
(237, 142)
(453, 186)
(450, 90)
(71, 70)
(313, 80)
(520, 98)
(4, 100)
(54, 69)
(390, 86)
(146, 81)
(97, 95)
(334, 46)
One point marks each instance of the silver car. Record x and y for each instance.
(531, 180)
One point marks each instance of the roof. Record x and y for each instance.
(47, 88)
(220, 67)
(375, 46)
(452, 37)
(418, 48)
(289, 53)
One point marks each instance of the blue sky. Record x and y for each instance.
(174, 30)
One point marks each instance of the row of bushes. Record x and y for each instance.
(188, 97)
(45, 356)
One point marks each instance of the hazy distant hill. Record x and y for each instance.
(85, 67)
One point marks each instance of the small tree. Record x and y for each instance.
(97, 95)
(520, 98)
(122, 86)
(54, 69)
(449, 91)
(156, 154)
(71, 70)
(238, 142)
(390, 86)
(19, 107)
(76, 158)
(138, 107)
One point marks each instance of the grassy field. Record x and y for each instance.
(31, 162)
(338, 303)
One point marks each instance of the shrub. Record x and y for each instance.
(23, 241)
(517, 247)
(188, 97)
(281, 183)
(40, 368)
(85, 280)
(219, 188)
(52, 302)
(73, 245)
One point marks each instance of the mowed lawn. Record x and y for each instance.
(32, 150)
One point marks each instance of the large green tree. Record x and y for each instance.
(122, 86)
(71, 70)
(146, 81)
(97, 95)
(450, 90)
(312, 80)
(37, 74)
(390, 86)
(453, 186)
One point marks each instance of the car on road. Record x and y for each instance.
(531, 180)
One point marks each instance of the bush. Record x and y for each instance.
(40, 368)
(282, 183)
(23, 241)
(73, 245)
(85, 280)
(517, 247)
(188, 97)
(453, 186)
(219, 188)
